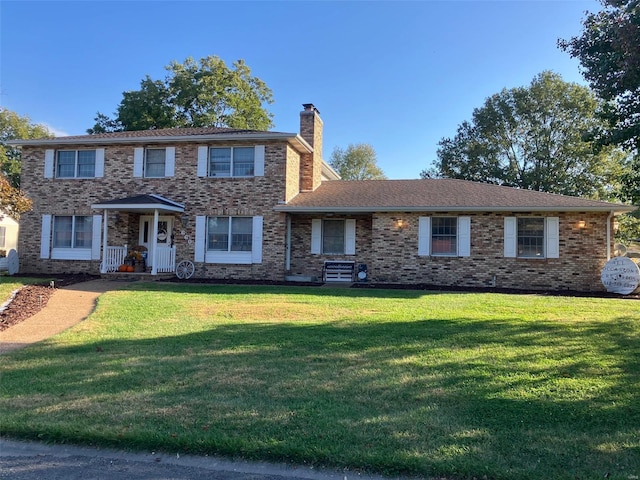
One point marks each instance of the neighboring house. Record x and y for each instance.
(8, 232)
(258, 205)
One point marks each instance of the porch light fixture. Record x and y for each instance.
(400, 225)
(582, 224)
(184, 220)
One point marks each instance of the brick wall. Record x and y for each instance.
(201, 196)
(391, 254)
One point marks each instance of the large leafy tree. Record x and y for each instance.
(356, 162)
(532, 137)
(203, 93)
(609, 52)
(15, 127)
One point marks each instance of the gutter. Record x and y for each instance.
(443, 208)
(294, 138)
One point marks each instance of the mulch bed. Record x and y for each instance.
(32, 298)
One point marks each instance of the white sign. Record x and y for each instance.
(620, 275)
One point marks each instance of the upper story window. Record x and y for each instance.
(231, 162)
(76, 163)
(154, 162)
(72, 231)
(240, 162)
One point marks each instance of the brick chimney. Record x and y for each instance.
(311, 164)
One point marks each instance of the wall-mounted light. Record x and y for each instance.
(184, 220)
(400, 224)
(616, 226)
(582, 224)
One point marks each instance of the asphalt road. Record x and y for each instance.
(36, 461)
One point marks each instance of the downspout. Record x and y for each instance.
(609, 235)
(105, 219)
(287, 252)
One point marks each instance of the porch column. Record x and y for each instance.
(154, 243)
(103, 263)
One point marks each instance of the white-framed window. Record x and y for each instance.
(231, 161)
(441, 236)
(67, 164)
(228, 239)
(333, 236)
(154, 162)
(71, 237)
(228, 161)
(72, 231)
(75, 163)
(229, 234)
(531, 237)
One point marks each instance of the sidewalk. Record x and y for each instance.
(66, 307)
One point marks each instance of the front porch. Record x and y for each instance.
(138, 235)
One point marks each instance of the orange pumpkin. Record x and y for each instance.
(122, 268)
(130, 268)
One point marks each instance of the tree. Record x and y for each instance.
(194, 94)
(12, 201)
(609, 52)
(532, 137)
(16, 127)
(357, 162)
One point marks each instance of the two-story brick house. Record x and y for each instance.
(258, 205)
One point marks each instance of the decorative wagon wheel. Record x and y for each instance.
(185, 269)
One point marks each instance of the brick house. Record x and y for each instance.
(256, 205)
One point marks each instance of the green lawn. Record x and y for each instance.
(395, 382)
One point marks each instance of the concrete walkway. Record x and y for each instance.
(66, 307)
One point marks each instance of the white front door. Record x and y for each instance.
(165, 232)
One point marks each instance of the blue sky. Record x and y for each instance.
(397, 75)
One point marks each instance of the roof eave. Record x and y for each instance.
(616, 209)
(295, 139)
(137, 207)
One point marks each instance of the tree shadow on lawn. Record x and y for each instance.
(433, 397)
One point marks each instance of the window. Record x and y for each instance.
(230, 234)
(444, 236)
(333, 237)
(231, 161)
(531, 237)
(76, 164)
(72, 231)
(3, 236)
(154, 162)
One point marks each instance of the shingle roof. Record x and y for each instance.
(164, 132)
(170, 135)
(435, 195)
(140, 202)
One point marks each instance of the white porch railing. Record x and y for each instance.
(166, 259)
(113, 258)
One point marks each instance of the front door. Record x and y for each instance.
(165, 233)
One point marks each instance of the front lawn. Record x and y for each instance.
(395, 382)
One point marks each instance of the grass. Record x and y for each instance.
(394, 382)
(8, 285)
